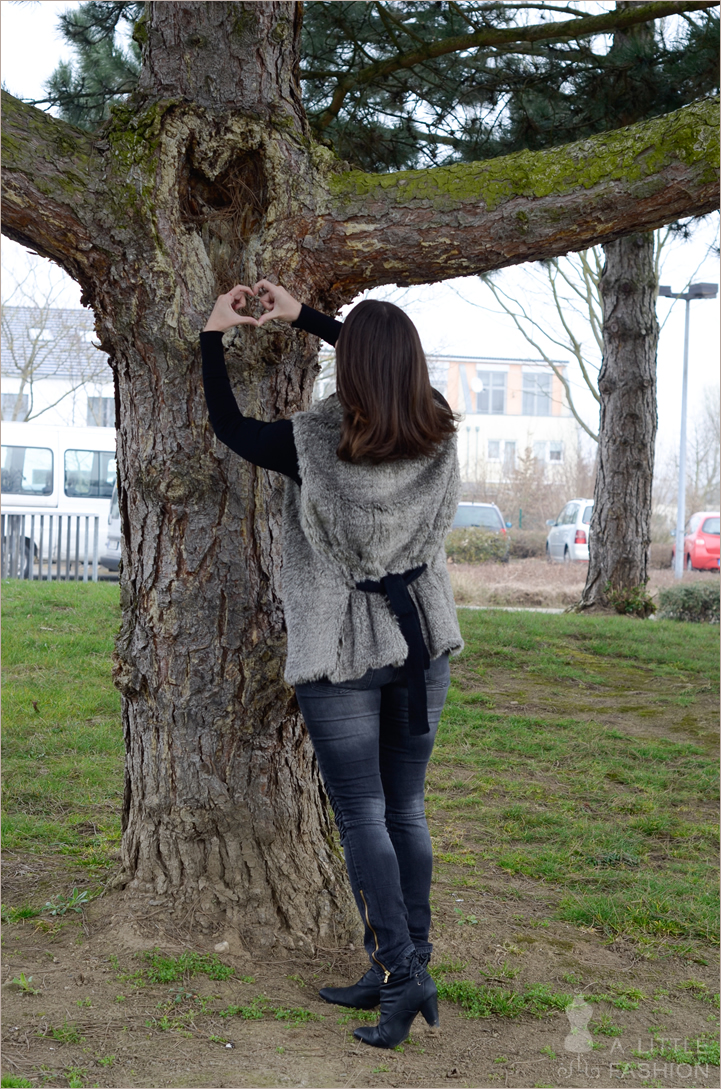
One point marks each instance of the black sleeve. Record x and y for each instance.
(269, 445)
(320, 325)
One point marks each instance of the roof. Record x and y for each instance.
(51, 343)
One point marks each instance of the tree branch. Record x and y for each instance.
(420, 226)
(49, 171)
(620, 19)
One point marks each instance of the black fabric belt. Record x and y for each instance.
(395, 587)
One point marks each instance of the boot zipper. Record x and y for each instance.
(375, 936)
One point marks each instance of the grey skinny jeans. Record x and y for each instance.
(374, 773)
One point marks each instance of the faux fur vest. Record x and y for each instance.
(353, 522)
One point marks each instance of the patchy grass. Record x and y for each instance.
(571, 799)
(624, 825)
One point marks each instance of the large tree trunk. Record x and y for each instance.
(206, 178)
(222, 804)
(620, 530)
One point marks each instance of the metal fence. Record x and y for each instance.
(38, 545)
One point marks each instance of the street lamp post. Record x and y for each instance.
(695, 291)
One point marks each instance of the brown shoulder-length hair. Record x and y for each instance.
(390, 412)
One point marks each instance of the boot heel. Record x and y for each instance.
(429, 1009)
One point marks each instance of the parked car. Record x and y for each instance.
(111, 556)
(568, 537)
(483, 516)
(701, 543)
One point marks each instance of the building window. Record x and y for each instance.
(494, 450)
(14, 407)
(555, 451)
(536, 394)
(490, 387)
(101, 412)
(89, 474)
(509, 456)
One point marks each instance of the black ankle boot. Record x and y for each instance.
(409, 991)
(363, 995)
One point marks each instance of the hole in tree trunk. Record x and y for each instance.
(227, 210)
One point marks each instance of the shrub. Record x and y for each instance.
(631, 600)
(659, 554)
(475, 545)
(528, 543)
(697, 602)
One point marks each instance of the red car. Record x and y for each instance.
(701, 543)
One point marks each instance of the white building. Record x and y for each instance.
(511, 408)
(52, 370)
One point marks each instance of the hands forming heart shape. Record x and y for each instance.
(277, 303)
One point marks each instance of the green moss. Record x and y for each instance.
(134, 138)
(244, 23)
(639, 152)
(140, 31)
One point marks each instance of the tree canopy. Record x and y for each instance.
(411, 83)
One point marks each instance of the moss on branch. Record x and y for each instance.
(634, 154)
(53, 155)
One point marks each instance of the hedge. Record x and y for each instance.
(697, 602)
(475, 545)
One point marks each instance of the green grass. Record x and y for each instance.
(485, 1001)
(621, 823)
(260, 1006)
(624, 825)
(177, 969)
(62, 737)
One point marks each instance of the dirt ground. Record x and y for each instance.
(88, 1027)
(534, 583)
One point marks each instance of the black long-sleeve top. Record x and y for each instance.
(269, 445)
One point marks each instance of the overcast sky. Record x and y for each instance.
(459, 317)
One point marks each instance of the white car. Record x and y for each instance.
(568, 536)
(111, 556)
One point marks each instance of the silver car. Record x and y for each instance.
(568, 536)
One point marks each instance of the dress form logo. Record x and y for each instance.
(579, 1040)
(677, 1058)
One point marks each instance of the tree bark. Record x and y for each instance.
(206, 178)
(620, 531)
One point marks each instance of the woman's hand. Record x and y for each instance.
(224, 315)
(277, 302)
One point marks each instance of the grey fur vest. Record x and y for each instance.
(353, 522)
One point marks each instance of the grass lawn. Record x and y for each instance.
(572, 804)
(539, 770)
(62, 738)
(577, 751)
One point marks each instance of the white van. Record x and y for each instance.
(57, 470)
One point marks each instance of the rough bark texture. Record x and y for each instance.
(620, 531)
(621, 522)
(205, 179)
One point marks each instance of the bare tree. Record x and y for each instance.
(209, 176)
(42, 342)
(571, 285)
(703, 467)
